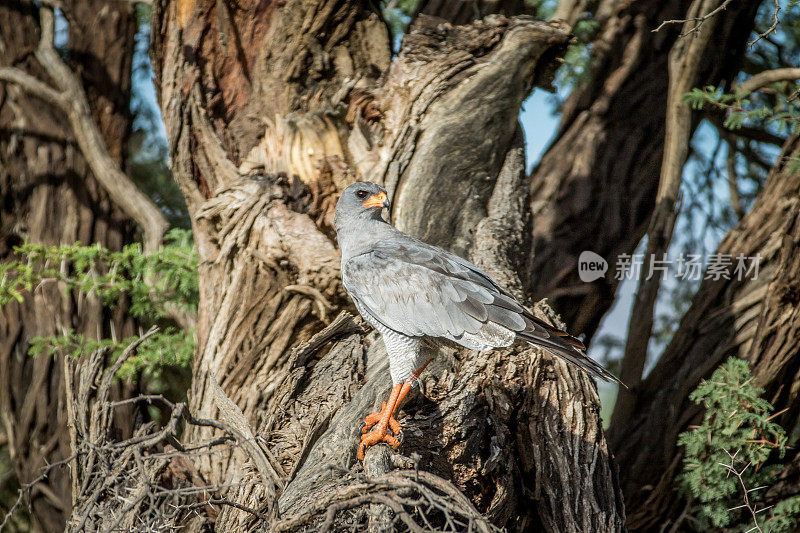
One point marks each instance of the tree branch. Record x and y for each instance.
(771, 27)
(684, 64)
(72, 101)
(697, 20)
(32, 85)
(717, 117)
(764, 78)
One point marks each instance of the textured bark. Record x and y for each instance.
(755, 319)
(49, 196)
(261, 143)
(460, 12)
(595, 187)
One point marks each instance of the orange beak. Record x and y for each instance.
(377, 200)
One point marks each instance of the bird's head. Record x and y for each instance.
(361, 201)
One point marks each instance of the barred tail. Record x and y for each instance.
(563, 345)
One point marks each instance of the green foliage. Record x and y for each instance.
(742, 109)
(729, 450)
(397, 14)
(575, 71)
(148, 284)
(149, 281)
(165, 348)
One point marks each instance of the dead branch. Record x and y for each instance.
(71, 99)
(695, 21)
(26, 489)
(751, 508)
(147, 481)
(771, 27)
(419, 500)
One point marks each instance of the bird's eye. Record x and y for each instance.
(362, 194)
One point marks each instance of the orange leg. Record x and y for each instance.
(385, 417)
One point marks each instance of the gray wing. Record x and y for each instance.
(420, 290)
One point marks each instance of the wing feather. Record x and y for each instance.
(420, 290)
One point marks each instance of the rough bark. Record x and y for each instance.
(595, 187)
(49, 196)
(261, 143)
(459, 12)
(755, 319)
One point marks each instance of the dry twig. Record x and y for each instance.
(419, 500)
(772, 26)
(698, 20)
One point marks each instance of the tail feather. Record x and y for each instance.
(563, 345)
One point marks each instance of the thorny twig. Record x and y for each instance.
(772, 26)
(747, 504)
(147, 481)
(698, 21)
(26, 489)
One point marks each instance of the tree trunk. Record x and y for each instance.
(50, 196)
(595, 187)
(756, 319)
(271, 110)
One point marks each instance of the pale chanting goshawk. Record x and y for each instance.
(411, 292)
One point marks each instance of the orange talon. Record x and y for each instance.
(374, 437)
(385, 418)
(373, 418)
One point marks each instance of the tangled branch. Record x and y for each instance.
(419, 502)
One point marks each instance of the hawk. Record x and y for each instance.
(412, 292)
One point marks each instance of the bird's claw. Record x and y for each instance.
(375, 436)
(373, 418)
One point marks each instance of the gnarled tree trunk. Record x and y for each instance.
(595, 187)
(271, 110)
(50, 196)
